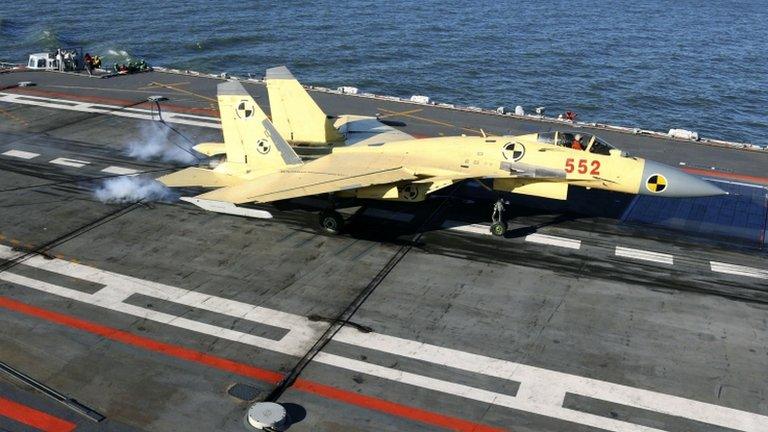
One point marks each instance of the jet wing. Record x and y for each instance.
(361, 130)
(332, 173)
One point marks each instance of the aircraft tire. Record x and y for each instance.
(331, 221)
(498, 228)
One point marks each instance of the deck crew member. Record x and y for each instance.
(59, 60)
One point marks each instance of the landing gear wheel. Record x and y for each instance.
(499, 225)
(498, 228)
(331, 221)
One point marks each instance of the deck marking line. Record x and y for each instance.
(75, 163)
(21, 154)
(75, 98)
(31, 417)
(727, 175)
(738, 270)
(541, 390)
(134, 113)
(329, 392)
(429, 120)
(644, 255)
(554, 241)
(119, 170)
(401, 113)
(468, 228)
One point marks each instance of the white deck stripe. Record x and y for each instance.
(75, 163)
(541, 391)
(644, 255)
(738, 270)
(554, 241)
(752, 185)
(21, 154)
(119, 170)
(465, 227)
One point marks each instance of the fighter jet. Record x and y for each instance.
(261, 167)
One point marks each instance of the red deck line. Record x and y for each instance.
(326, 391)
(729, 176)
(34, 418)
(112, 101)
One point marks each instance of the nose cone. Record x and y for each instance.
(666, 181)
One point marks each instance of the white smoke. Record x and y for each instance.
(133, 189)
(157, 141)
(117, 56)
(122, 53)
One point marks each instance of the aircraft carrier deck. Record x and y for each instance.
(604, 313)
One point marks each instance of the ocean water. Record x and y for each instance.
(689, 64)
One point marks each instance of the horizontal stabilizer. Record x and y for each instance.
(198, 177)
(227, 208)
(363, 130)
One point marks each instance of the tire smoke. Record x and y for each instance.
(132, 189)
(156, 142)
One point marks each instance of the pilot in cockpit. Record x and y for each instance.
(576, 143)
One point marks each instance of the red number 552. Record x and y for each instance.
(581, 166)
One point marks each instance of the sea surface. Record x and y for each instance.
(698, 65)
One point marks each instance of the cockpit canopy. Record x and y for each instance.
(577, 141)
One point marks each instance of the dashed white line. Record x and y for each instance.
(533, 238)
(644, 255)
(119, 170)
(75, 163)
(554, 241)
(739, 270)
(21, 154)
(465, 227)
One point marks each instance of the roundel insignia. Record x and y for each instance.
(244, 110)
(263, 146)
(409, 192)
(514, 151)
(656, 183)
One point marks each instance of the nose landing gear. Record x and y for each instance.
(499, 225)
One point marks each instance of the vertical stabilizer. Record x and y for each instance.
(295, 114)
(249, 137)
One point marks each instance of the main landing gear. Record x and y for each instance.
(331, 221)
(499, 225)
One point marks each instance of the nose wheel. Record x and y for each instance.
(331, 221)
(499, 225)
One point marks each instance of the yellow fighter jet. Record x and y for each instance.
(261, 167)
